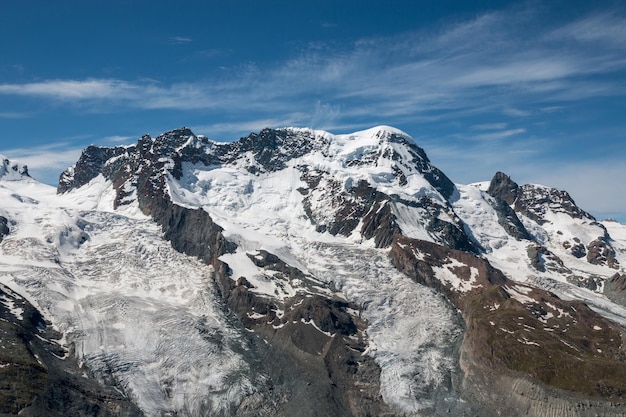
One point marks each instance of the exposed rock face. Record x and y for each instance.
(504, 188)
(4, 227)
(541, 204)
(543, 260)
(35, 381)
(534, 201)
(89, 165)
(498, 344)
(599, 252)
(507, 218)
(616, 288)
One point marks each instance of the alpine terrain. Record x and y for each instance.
(299, 273)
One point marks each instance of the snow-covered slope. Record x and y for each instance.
(290, 233)
(556, 254)
(139, 314)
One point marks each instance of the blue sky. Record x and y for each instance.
(536, 89)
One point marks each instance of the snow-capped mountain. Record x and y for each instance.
(297, 272)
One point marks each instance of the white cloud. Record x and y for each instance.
(116, 139)
(13, 115)
(490, 126)
(604, 27)
(484, 61)
(519, 71)
(45, 163)
(228, 131)
(71, 89)
(178, 40)
(502, 134)
(515, 112)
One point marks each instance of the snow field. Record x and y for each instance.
(136, 312)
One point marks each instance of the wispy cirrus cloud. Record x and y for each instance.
(72, 89)
(13, 115)
(214, 130)
(498, 134)
(116, 139)
(490, 126)
(46, 162)
(602, 27)
(179, 40)
(468, 62)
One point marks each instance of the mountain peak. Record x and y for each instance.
(306, 241)
(504, 187)
(13, 171)
(384, 131)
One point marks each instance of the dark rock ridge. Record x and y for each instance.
(365, 205)
(35, 381)
(507, 218)
(4, 227)
(504, 188)
(600, 252)
(535, 202)
(88, 166)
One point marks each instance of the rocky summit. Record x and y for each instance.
(295, 272)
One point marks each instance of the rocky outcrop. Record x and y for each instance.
(272, 148)
(542, 260)
(4, 227)
(39, 378)
(615, 288)
(503, 188)
(577, 248)
(541, 205)
(507, 218)
(599, 252)
(89, 165)
(534, 201)
(373, 210)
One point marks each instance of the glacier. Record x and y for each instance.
(151, 321)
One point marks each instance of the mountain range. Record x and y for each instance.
(295, 272)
